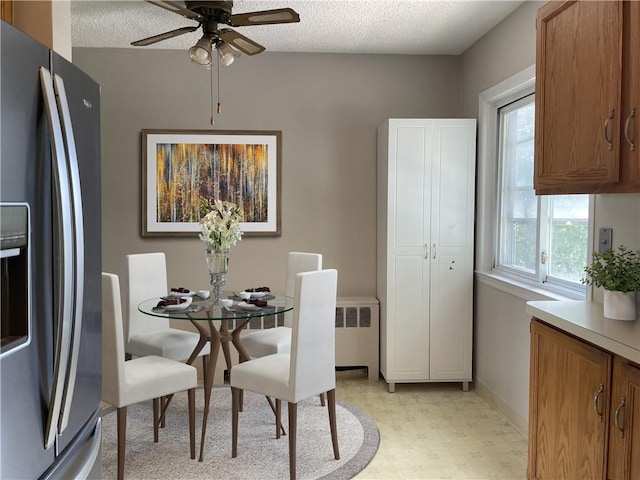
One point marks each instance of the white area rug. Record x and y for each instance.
(260, 455)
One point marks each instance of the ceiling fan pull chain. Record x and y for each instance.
(218, 70)
(211, 95)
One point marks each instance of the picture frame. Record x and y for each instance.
(183, 168)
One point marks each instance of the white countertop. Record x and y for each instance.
(586, 320)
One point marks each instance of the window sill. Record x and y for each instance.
(519, 289)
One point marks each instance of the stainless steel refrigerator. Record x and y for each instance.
(50, 354)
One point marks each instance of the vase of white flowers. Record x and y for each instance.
(220, 230)
(218, 265)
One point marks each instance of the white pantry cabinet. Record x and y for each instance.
(425, 219)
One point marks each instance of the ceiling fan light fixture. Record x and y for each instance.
(227, 55)
(200, 53)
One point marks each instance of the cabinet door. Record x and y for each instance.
(407, 239)
(451, 282)
(569, 406)
(578, 90)
(6, 11)
(624, 436)
(630, 140)
(450, 335)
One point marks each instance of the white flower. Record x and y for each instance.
(221, 226)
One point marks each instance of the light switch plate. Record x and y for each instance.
(604, 240)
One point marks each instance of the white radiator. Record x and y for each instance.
(357, 332)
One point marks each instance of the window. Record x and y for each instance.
(542, 239)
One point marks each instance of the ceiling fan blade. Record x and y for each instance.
(177, 7)
(264, 17)
(164, 36)
(242, 43)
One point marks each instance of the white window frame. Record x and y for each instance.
(497, 244)
(490, 101)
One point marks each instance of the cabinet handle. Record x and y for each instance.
(632, 114)
(434, 251)
(596, 399)
(426, 251)
(605, 131)
(616, 418)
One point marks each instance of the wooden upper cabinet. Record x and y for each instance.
(6, 11)
(630, 128)
(586, 89)
(624, 436)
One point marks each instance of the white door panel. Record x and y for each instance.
(409, 175)
(451, 173)
(450, 327)
(410, 323)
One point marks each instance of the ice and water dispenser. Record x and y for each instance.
(14, 282)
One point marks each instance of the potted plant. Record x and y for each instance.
(618, 272)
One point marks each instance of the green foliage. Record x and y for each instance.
(569, 251)
(568, 255)
(617, 271)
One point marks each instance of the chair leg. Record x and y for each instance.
(192, 422)
(273, 409)
(331, 397)
(156, 418)
(293, 430)
(322, 399)
(122, 434)
(278, 411)
(164, 402)
(235, 402)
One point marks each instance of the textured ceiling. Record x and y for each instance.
(417, 27)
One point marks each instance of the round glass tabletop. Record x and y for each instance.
(200, 309)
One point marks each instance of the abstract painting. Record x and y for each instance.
(185, 170)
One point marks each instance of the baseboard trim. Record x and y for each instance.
(520, 423)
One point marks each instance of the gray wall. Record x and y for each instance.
(328, 108)
(501, 332)
(507, 49)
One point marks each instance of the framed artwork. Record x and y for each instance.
(182, 169)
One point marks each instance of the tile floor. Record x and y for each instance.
(435, 431)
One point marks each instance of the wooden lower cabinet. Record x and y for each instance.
(584, 410)
(624, 430)
(568, 407)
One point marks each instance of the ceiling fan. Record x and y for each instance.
(209, 15)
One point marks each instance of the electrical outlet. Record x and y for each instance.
(604, 240)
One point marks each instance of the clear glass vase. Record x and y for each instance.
(218, 265)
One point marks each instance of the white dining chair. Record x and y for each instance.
(150, 377)
(278, 339)
(309, 368)
(146, 275)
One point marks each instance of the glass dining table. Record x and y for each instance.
(219, 326)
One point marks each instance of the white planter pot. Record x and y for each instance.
(620, 305)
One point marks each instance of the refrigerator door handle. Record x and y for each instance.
(78, 253)
(64, 239)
